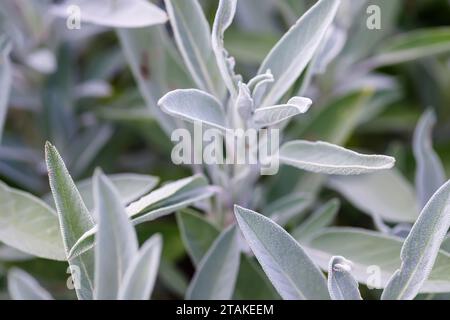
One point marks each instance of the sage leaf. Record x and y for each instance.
(74, 220)
(430, 174)
(197, 234)
(29, 224)
(116, 14)
(115, 242)
(286, 208)
(162, 201)
(375, 256)
(217, 272)
(170, 198)
(386, 194)
(130, 187)
(341, 284)
(270, 116)
(322, 157)
(293, 274)
(292, 53)
(22, 286)
(223, 19)
(194, 106)
(421, 247)
(140, 276)
(193, 37)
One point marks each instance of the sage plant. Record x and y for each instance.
(234, 132)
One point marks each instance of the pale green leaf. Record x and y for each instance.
(197, 233)
(288, 267)
(193, 37)
(319, 219)
(341, 284)
(269, 116)
(292, 53)
(224, 17)
(74, 220)
(116, 13)
(288, 207)
(430, 174)
(130, 187)
(30, 225)
(322, 157)
(162, 201)
(217, 272)
(194, 106)
(115, 242)
(385, 194)
(140, 276)
(421, 247)
(375, 257)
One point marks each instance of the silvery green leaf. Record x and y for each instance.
(386, 194)
(170, 197)
(193, 37)
(130, 187)
(411, 46)
(258, 79)
(29, 224)
(217, 272)
(421, 247)
(323, 157)
(197, 234)
(341, 284)
(269, 116)
(140, 276)
(194, 106)
(261, 86)
(116, 13)
(284, 209)
(115, 242)
(430, 174)
(74, 220)
(22, 286)
(5, 84)
(165, 200)
(292, 53)
(224, 17)
(288, 267)
(319, 219)
(244, 102)
(375, 256)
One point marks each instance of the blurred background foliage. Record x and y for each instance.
(75, 89)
